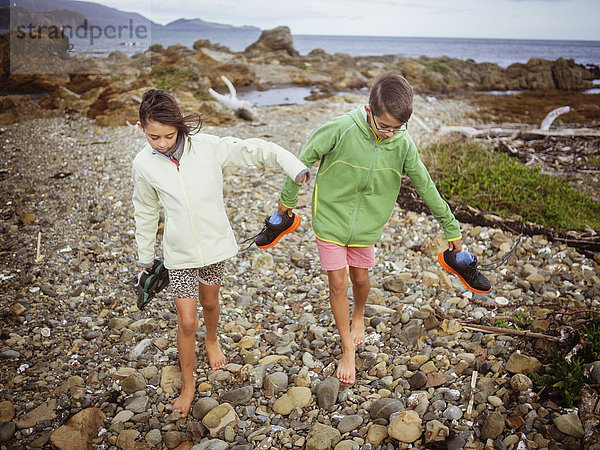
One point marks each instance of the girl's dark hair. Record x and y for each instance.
(160, 106)
(391, 94)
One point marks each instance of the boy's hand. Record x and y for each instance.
(282, 209)
(455, 245)
(303, 179)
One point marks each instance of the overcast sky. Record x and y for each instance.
(519, 19)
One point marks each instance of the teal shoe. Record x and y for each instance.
(150, 282)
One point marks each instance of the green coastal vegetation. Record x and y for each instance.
(471, 174)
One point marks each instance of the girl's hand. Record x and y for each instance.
(455, 245)
(282, 209)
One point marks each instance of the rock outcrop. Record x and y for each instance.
(108, 89)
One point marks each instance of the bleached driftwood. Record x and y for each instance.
(513, 133)
(242, 108)
(551, 117)
(420, 122)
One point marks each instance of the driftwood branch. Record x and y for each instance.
(514, 133)
(551, 117)
(498, 330)
(242, 108)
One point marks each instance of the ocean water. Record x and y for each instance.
(499, 51)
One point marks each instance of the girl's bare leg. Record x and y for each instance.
(209, 299)
(187, 324)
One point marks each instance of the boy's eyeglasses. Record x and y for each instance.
(402, 128)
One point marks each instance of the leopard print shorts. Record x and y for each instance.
(184, 282)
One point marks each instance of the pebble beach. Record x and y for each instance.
(82, 367)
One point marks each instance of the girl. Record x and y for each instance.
(182, 171)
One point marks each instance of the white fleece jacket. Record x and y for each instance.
(197, 231)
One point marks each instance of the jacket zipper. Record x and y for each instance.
(191, 217)
(361, 193)
(187, 201)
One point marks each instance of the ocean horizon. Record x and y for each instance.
(503, 52)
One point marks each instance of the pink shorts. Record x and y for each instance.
(334, 256)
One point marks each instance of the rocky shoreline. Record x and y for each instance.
(81, 364)
(108, 89)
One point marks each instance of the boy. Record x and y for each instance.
(362, 155)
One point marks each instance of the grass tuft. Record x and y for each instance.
(494, 182)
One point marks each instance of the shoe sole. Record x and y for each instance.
(292, 228)
(451, 270)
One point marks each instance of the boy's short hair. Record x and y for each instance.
(391, 94)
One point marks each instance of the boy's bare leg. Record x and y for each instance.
(361, 285)
(209, 299)
(338, 298)
(187, 324)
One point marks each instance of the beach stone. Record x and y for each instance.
(262, 261)
(394, 285)
(376, 434)
(214, 444)
(322, 437)
(7, 411)
(123, 373)
(172, 438)
(569, 424)
(430, 279)
(153, 438)
(493, 426)
(520, 382)
(519, 363)
(276, 382)
(247, 342)
(451, 326)
(218, 418)
(349, 423)
(295, 397)
(385, 407)
(139, 404)
(494, 401)
(46, 411)
(405, 427)
(80, 430)
(452, 413)
(436, 431)
(170, 379)
(123, 416)
(7, 431)
(134, 383)
(118, 323)
(452, 395)
(203, 406)
(418, 380)
(327, 392)
(238, 396)
(126, 439)
(347, 445)
(376, 297)
(438, 379)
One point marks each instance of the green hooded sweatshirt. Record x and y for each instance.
(359, 179)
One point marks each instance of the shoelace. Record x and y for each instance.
(496, 264)
(253, 238)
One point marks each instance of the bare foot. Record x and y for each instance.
(358, 332)
(216, 358)
(184, 401)
(346, 371)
